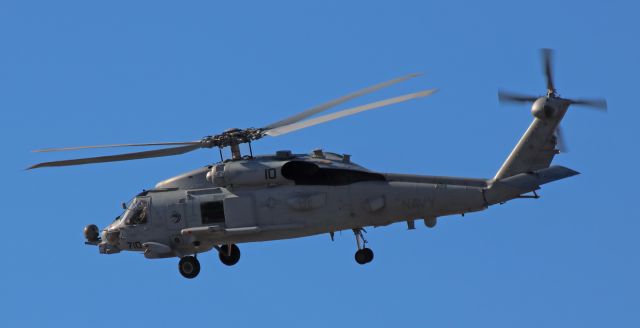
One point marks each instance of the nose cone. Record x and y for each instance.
(111, 236)
(110, 241)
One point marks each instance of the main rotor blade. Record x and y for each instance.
(120, 157)
(335, 102)
(347, 112)
(506, 96)
(600, 104)
(547, 58)
(117, 145)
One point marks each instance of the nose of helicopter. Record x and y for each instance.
(108, 242)
(111, 236)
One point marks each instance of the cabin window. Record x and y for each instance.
(212, 212)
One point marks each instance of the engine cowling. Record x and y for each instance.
(247, 173)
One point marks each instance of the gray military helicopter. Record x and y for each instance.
(285, 195)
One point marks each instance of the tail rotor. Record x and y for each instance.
(547, 105)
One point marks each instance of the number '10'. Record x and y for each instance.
(270, 174)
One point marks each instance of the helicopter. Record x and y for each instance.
(285, 195)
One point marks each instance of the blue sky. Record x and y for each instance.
(79, 72)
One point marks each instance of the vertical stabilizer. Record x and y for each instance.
(536, 148)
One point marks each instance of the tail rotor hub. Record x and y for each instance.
(543, 108)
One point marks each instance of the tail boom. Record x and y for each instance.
(536, 148)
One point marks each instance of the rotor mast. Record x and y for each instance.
(235, 151)
(234, 143)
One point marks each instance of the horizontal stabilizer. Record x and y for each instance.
(531, 181)
(514, 186)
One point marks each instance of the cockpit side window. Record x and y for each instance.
(137, 214)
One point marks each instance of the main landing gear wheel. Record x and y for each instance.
(189, 267)
(364, 255)
(229, 256)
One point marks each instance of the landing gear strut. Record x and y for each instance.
(363, 255)
(229, 254)
(189, 267)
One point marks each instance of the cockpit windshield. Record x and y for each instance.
(136, 212)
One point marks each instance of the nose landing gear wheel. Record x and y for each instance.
(189, 267)
(229, 256)
(364, 256)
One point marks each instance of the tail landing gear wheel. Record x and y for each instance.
(229, 256)
(364, 256)
(189, 267)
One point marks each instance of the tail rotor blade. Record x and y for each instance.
(506, 96)
(547, 59)
(600, 104)
(561, 141)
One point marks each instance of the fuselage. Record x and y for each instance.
(271, 197)
(288, 196)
